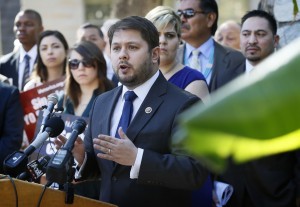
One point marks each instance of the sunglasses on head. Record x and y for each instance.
(189, 13)
(74, 63)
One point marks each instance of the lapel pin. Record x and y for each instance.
(148, 110)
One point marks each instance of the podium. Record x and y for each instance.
(29, 194)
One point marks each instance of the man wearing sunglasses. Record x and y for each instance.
(218, 64)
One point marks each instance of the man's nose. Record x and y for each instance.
(252, 38)
(123, 54)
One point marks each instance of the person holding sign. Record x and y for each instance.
(51, 59)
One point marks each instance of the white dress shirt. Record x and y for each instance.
(249, 67)
(32, 54)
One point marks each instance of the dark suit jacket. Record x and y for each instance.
(270, 181)
(228, 64)
(9, 66)
(11, 122)
(164, 178)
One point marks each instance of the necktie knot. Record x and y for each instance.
(195, 52)
(195, 60)
(27, 57)
(130, 96)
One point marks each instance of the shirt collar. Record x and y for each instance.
(142, 90)
(204, 48)
(249, 67)
(32, 53)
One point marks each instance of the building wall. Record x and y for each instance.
(8, 11)
(65, 16)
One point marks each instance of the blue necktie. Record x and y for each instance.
(26, 70)
(127, 111)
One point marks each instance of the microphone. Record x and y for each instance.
(35, 169)
(52, 101)
(16, 162)
(57, 168)
(53, 127)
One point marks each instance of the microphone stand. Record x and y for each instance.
(69, 186)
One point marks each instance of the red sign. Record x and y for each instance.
(34, 99)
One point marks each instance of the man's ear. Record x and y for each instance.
(276, 40)
(155, 54)
(211, 18)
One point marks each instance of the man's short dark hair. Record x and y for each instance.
(210, 6)
(148, 31)
(263, 14)
(35, 14)
(90, 25)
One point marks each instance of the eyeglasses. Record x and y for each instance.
(74, 63)
(189, 13)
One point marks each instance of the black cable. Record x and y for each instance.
(42, 194)
(14, 187)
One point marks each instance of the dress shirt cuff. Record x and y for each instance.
(80, 169)
(135, 169)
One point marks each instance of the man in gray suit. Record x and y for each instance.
(218, 64)
(140, 168)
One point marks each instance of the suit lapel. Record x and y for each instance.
(15, 64)
(148, 108)
(218, 60)
(108, 111)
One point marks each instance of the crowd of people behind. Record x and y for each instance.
(157, 66)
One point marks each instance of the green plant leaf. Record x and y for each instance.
(253, 116)
(296, 8)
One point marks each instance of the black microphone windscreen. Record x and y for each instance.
(56, 124)
(53, 98)
(79, 125)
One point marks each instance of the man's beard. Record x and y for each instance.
(141, 75)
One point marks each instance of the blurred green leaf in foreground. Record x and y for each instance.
(253, 116)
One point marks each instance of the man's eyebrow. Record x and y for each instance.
(259, 30)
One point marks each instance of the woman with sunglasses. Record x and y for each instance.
(51, 59)
(86, 78)
(169, 27)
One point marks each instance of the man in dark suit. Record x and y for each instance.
(11, 122)
(218, 64)
(274, 180)
(140, 168)
(27, 27)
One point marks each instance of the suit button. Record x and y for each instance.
(114, 178)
